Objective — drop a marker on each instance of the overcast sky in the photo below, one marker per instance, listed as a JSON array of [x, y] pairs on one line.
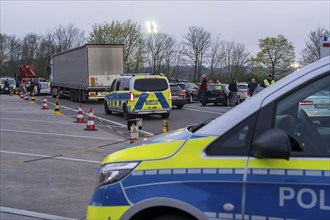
[[241, 21]]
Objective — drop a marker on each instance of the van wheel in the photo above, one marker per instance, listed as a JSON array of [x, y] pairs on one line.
[[173, 217], [165, 115], [125, 112], [106, 109]]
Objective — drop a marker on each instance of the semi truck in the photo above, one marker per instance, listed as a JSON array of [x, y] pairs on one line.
[[84, 73]]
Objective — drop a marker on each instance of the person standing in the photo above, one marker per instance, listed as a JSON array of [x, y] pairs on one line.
[[267, 82], [233, 92], [252, 86], [203, 89]]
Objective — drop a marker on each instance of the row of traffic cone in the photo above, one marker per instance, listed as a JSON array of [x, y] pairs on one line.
[[80, 116]]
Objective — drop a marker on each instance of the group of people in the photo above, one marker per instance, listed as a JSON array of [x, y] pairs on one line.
[[252, 85]]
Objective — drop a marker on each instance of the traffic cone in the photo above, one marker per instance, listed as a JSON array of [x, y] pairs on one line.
[[33, 100], [44, 104], [22, 95], [90, 123], [80, 115], [26, 97], [165, 126], [57, 108]]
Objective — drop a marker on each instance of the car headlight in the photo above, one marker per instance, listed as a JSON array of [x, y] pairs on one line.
[[114, 172]]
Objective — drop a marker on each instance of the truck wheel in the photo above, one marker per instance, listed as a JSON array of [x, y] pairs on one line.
[[75, 95], [106, 109], [165, 115], [71, 95], [83, 96], [79, 96]]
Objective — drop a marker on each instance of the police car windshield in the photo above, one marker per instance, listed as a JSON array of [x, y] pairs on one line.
[[150, 84]]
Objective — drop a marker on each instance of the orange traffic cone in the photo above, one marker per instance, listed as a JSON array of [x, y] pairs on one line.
[[90, 123], [80, 115], [26, 97], [44, 104]]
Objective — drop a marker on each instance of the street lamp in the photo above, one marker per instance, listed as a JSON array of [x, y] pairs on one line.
[[295, 66], [152, 29]]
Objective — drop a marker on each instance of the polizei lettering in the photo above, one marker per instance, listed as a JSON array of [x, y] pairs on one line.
[[315, 198]]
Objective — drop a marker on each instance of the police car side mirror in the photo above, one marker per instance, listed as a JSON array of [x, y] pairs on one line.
[[274, 144]]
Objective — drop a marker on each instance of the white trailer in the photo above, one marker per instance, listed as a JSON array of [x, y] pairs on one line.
[[86, 72]]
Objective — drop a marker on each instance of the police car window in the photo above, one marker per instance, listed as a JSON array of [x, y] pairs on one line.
[[150, 84], [305, 116], [236, 142], [125, 85], [113, 85], [119, 84]]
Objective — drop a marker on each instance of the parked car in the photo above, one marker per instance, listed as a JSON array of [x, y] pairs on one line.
[[44, 89], [243, 91], [11, 81], [217, 93], [317, 105], [178, 96], [191, 90]]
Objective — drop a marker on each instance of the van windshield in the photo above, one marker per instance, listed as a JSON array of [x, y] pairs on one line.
[[152, 84]]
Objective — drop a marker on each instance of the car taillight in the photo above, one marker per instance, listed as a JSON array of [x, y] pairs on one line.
[[183, 93], [131, 96], [306, 103], [245, 92], [222, 93], [170, 95]]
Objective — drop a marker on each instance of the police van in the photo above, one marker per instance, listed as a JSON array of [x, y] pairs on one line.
[[268, 158], [139, 94]]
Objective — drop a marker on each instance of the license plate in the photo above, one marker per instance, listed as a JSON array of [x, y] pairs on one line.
[[322, 105], [211, 99], [152, 102]]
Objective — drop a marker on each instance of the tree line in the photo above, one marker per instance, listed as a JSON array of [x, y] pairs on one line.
[[198, 52]]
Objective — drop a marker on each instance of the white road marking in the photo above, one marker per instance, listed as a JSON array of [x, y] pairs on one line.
[[62, 135], [103, 119], [44, 156], [32, 214], [205, 111]]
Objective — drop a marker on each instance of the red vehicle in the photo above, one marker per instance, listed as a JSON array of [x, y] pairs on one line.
[[26, 71]]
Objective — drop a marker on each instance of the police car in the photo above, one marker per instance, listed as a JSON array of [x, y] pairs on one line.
[[264, 159], [139, 94]]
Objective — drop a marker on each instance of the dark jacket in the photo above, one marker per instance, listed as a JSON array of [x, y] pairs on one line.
[[252, 86], [203, 86], [233, 86]]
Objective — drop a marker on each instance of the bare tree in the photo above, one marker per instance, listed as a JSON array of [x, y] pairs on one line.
[[311, 52], [159, 49], [67, 37], [10, 54], [232, 58], [170, 49], [214, 59], [30, 44], [197, 43], [128, 33]]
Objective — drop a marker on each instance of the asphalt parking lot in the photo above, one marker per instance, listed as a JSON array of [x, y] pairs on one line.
[[49, 164]]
